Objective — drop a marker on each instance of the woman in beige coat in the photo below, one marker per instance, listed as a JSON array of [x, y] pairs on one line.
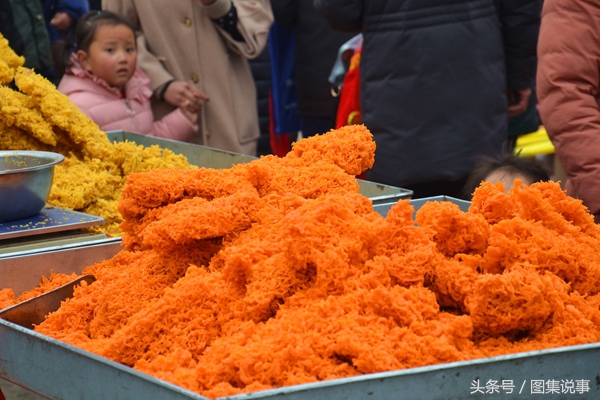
[[198, 50]]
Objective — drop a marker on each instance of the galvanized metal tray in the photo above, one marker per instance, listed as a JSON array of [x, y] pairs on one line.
[[22, 270], [55, 369], [384, 206]]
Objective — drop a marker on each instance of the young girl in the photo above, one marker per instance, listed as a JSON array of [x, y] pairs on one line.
[[101, 78]]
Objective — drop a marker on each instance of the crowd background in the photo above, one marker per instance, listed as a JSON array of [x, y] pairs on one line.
[[440, 84]]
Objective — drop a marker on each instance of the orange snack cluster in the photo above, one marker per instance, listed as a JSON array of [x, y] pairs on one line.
[[279, 272], [7, 295], [7, 298]]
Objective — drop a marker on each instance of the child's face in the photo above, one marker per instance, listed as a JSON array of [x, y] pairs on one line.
[[112, 56], [507, 178]]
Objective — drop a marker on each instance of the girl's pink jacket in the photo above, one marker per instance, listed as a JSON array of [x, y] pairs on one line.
[[132, 113]]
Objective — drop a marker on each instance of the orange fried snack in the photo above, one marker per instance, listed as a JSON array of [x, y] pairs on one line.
[[52, 282], [349, 147], [452, 230], [55, 280], [509, 303], [7, 298], [251, 278]]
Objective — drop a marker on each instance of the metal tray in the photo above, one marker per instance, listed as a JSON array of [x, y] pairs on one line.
[[22, 270], [383, 207], [208, 157], [55, 369]]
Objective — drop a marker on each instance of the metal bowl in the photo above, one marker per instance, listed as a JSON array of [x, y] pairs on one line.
[[25, 182]]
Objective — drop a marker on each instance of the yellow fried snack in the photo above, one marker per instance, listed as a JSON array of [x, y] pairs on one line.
[[93, 194], [93, 178], [8, 55], [6, 73], [14, 109], [9, 61], [14, 138], [131, 157], [60, 111]]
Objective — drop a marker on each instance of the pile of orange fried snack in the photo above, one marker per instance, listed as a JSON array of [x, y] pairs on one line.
[[279, 272]]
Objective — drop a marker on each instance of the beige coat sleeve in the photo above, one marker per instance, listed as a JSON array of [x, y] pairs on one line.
[[254, 21]]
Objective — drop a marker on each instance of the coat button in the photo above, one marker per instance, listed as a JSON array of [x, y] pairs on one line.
[[187, 22], [195, 78]]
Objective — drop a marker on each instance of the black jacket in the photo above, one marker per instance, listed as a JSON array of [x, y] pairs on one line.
[[434, 75], [261, 72], [317, 44], [22, 24]]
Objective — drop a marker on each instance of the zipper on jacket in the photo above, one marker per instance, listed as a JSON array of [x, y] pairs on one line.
[[131, 113]]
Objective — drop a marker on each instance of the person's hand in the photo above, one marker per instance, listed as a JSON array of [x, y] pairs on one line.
[[183, 94], [62, 21], [517, 101], [191, 114]]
